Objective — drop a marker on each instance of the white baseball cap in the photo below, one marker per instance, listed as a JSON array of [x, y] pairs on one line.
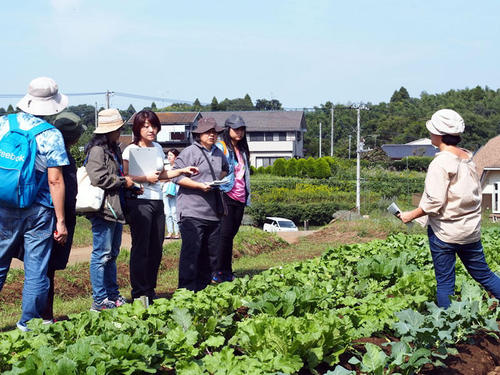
[[446, 121]]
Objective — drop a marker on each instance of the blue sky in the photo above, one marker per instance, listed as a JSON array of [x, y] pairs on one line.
[[303, 53]]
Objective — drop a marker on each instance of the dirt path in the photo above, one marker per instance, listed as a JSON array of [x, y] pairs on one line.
[[82, 254]]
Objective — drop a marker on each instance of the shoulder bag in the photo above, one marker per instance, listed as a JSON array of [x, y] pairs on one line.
[[221, 207], [89, 197]]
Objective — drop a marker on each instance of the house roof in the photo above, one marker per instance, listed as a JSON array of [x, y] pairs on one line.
[[421, 141], [172, 118], [488, 155], [264, 120], [395, 151]]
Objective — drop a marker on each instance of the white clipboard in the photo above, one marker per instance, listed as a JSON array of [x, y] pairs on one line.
[[144, 161]]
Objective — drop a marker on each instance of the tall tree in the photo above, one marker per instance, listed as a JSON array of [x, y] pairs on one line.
[[214, 106]]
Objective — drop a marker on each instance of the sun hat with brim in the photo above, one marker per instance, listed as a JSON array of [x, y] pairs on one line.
[[69, 125], [235, 122], [205, 124], [446, 121], [43, 98], [108, 120]]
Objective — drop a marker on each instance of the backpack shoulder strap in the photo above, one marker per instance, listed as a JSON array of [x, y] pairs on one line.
[[13, 123], [37, 129]]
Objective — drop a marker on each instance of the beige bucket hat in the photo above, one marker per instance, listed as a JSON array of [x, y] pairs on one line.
[[43, 98], [108, 120]]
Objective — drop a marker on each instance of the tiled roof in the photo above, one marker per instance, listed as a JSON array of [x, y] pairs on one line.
[[264, 120], [395, 151], [172, 118], [488, 156]]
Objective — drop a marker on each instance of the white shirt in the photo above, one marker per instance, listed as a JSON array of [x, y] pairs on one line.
[[151, 191]]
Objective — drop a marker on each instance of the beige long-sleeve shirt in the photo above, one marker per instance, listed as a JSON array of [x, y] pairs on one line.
[[452, 199]]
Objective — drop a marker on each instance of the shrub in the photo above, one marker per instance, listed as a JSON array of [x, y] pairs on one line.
[[321, 169], [279, 167], [414, 163], [310, 166], [291, 168]]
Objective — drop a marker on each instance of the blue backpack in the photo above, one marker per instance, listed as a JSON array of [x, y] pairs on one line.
[[18, 180]]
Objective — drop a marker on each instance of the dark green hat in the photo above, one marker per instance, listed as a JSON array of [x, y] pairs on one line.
[[69, 125]]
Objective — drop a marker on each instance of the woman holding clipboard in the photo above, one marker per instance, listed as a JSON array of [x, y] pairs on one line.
[[145, 212]]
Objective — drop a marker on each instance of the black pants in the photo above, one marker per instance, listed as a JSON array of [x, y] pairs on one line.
[[147, 227], [198, 252], [230, 225]]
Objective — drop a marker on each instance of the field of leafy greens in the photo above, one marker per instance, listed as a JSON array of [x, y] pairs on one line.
[[302, 316]]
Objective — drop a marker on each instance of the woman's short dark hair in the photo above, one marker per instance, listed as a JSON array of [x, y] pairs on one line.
[[173, 151], [451, 140], [140, 119]]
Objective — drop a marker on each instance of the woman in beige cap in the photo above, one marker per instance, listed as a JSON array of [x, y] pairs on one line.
[[452, 203], [104, 166]]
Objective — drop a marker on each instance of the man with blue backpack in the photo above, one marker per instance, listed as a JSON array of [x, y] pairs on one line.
[[32, 154]]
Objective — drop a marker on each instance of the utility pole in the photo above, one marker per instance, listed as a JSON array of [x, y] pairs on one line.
[[108, 94], [331, 137], [320, 139], [358, 161], [95, 114], [349, 146]]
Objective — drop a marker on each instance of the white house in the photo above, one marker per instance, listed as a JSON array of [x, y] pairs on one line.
[[271, 134], [487, 161]]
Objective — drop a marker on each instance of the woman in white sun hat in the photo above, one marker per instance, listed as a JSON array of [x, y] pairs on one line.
[[452, 203]]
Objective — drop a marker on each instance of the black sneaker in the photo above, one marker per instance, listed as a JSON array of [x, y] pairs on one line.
[[103, 305]]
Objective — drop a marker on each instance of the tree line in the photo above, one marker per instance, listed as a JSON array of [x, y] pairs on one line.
[[400, 120]]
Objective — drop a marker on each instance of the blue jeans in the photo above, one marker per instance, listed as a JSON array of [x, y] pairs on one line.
[[471, 255], [31, 228], [107, 239], [170, 204]]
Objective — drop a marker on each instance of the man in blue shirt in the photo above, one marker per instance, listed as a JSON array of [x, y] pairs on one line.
[[33, 227]]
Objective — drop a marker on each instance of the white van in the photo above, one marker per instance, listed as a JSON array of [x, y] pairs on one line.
[[279, 224]]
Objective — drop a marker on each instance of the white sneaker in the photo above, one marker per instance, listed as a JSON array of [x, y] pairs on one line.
[[48, 321], [22, 328]]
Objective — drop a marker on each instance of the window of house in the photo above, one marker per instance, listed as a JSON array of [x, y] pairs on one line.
[[282, 136], [256, 136], [496, 198], [269, 136], [266, 161], [178, 136]]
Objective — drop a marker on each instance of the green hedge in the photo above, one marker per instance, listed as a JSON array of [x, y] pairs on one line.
[[315, 213], [414, 163], [387, 184]]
